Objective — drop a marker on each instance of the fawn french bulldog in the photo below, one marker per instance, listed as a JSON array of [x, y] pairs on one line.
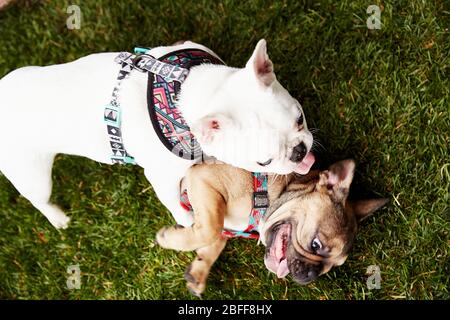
[[308, 228], [61, 109]]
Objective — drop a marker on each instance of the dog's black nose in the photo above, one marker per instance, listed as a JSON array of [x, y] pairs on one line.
[[298, 153]]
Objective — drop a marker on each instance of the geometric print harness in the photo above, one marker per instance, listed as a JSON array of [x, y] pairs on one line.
[[260, 205], [165, 76], [166, 118]]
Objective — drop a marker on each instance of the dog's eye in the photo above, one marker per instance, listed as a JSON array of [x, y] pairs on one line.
[[300, 119], [263, 164], [316, 245]]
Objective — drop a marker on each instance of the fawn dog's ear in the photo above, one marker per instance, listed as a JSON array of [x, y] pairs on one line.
[[365, 208], [337, 179]]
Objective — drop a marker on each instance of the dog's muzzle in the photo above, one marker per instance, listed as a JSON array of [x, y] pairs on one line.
[[298, 153], [304, 272]]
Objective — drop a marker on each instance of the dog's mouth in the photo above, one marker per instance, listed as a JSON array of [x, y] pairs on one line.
[[275, 258], [305, 165]]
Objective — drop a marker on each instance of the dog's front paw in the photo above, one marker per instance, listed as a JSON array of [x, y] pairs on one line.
[[195, 277], [178, 238], [167, 238], [161, 238]]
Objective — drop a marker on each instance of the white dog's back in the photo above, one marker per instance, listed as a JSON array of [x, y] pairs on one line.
[[58, 109]]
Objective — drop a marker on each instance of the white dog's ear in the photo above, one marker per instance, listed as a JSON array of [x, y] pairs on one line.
[[260, 65], [207, 128], [338, 178]]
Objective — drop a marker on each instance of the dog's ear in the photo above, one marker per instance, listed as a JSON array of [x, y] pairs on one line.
[[260, 65], [207, 128], [365, 208], [337, 179]]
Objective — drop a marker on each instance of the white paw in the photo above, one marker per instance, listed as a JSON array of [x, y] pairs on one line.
[[60, 222]]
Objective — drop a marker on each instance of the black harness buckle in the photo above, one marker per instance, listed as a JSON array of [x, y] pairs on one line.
[[260, 199]]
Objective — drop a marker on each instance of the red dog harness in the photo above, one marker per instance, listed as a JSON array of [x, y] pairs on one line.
[[260, 205]]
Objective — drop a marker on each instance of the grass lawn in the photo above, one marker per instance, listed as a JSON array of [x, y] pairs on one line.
[[379, 96]]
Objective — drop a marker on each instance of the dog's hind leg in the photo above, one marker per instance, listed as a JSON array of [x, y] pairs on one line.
[[197, 272], [31, 175]]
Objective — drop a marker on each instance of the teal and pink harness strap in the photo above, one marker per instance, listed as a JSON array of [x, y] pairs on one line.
[[260, 205], [165, 76]]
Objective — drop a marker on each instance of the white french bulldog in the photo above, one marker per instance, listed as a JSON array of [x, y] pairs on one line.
[[60, 108]]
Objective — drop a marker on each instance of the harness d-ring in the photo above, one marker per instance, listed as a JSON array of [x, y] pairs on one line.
[[137, 59]]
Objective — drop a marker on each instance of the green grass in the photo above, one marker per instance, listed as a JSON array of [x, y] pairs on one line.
[[379, 96]]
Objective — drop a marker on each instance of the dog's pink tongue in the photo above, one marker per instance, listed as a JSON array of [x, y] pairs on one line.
[[306, 164], [282, 270]]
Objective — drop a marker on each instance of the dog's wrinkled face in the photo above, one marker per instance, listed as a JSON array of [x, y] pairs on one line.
[[312, 229], [257, 125]]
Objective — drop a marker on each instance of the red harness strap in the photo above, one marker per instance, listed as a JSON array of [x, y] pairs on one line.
[[260, 205]]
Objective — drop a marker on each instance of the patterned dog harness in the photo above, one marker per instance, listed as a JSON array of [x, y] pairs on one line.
[[165, 76], [260, 205]]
